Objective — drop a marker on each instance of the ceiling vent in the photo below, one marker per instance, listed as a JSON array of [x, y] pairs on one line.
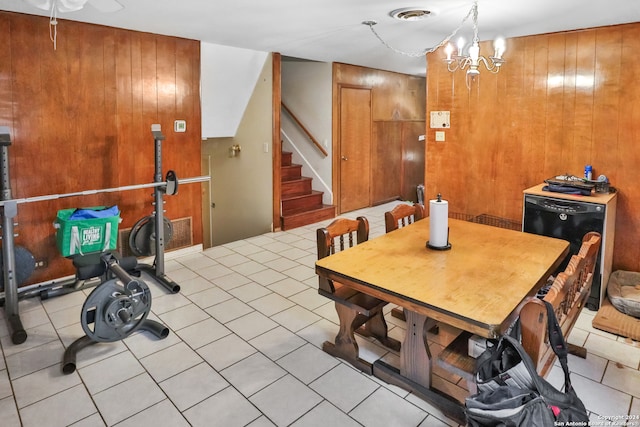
[[410, 14]]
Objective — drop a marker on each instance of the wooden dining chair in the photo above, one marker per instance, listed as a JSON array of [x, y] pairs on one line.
[[357, 311], [568, 295], [398, 217]]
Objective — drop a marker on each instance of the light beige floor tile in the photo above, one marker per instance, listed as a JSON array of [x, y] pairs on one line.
[[160, 414], [227, 408], [209, 297], [622, 378], [10, 417], [344, 387], [300, 272], [281, 264], [61, 409], [613, 350], [194, 385], [263, 256], [294, 253], [384, 408], [271, 304], [66, 316], [36, 337], [183, 316], [436, 415], [277, 342], [266, 277], [71, 300], [261, 422], [214, 271], [193, 262], [296, 318], [139, 392], [143, 344], [226, 351], [309, 298], [253, 374], [599, 398], [308, 363], [119, 367], [42, 384], [94, 420], [229, 310], [231, 281], [251, 325], [248, 249], [232, 260], [319, 332], [35, 359], [5, 384], [168, 302], [592, 367], [217, 252], [286, 400], [323, 415], [249, 268], [170, 361], [249, 292], [203, 333], [98, 351], [288, 287], [195, 285]]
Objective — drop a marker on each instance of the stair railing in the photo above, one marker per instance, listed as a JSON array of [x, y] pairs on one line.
[[316, 176], [305, 130]]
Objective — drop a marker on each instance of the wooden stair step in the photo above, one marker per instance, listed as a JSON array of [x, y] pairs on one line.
[[297, 203], [295, 187], [285, 158], [307, 217], [290, 172]]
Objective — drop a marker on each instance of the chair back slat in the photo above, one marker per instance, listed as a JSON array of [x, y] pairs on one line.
[[403, 215]]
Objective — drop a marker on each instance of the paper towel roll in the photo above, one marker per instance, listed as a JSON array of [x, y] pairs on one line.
[[438, 223]]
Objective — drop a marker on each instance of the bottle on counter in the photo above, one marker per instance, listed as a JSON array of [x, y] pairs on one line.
[[588, 172]]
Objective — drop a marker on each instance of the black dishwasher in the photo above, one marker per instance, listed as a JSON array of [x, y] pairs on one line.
[[568, 220]]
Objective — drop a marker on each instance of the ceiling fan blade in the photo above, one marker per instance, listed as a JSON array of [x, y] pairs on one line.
[[106, 6], [69, 5]]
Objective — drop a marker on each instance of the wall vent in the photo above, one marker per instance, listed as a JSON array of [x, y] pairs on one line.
[[182, 236]]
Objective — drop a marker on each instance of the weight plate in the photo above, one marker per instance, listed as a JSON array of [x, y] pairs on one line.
[[25, 264], [142, 239], [113, 312]]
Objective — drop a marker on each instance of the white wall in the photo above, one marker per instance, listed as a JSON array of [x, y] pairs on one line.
[[306, 90], [228, 76]]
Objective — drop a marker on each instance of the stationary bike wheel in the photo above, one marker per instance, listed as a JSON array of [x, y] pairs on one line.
[[142, 239]]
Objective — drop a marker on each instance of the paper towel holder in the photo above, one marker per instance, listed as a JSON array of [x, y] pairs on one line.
[[445, 247]]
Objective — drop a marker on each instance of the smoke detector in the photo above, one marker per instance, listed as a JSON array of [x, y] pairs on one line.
[[410, 14]]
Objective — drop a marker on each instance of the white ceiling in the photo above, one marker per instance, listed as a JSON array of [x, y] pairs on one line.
[[332, 30]]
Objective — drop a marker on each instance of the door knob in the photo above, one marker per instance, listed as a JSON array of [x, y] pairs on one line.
[[344, 158]]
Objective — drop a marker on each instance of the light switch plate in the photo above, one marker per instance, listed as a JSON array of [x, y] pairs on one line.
[[440, 136], [180, 126], [440, 119]]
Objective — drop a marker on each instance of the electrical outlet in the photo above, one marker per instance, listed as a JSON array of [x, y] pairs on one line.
[[41, 263]]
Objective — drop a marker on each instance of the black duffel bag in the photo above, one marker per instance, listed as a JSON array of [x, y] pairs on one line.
[[532, 403]]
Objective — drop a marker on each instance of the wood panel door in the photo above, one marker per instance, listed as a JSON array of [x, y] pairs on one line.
[[355, 148]]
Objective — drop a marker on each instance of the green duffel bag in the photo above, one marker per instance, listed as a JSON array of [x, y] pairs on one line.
[[87, 230]]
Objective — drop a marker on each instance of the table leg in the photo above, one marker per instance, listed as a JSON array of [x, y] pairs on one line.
[[345, 346], [415, 357]]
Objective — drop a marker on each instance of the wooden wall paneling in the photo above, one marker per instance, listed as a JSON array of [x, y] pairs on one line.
[[80, 119], [566, 99], [386, 161], [413, 151], [553, 162], [607, 100], [626, 250]]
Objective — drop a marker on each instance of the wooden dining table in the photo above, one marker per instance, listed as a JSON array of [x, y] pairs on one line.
[[478, 285]]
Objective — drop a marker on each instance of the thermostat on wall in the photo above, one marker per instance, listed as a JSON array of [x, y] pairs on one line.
[[440, 119], [180, 126]]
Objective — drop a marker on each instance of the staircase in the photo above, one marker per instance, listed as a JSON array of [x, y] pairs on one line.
[[300, 205]]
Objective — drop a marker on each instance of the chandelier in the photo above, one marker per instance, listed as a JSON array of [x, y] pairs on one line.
[[456, 58]]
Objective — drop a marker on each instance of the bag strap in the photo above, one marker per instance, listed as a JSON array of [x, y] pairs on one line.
[[558, 343]]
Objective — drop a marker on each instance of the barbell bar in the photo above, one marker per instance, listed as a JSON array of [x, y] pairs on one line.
[[102, 190]]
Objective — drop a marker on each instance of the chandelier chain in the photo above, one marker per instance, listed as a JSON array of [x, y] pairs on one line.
[[473, 11]]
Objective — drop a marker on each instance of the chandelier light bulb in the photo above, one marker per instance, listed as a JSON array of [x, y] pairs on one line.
[[449, 51], [460, 45], [499, 46]]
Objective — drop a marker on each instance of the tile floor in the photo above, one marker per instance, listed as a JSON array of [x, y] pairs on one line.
[[245, 350]]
